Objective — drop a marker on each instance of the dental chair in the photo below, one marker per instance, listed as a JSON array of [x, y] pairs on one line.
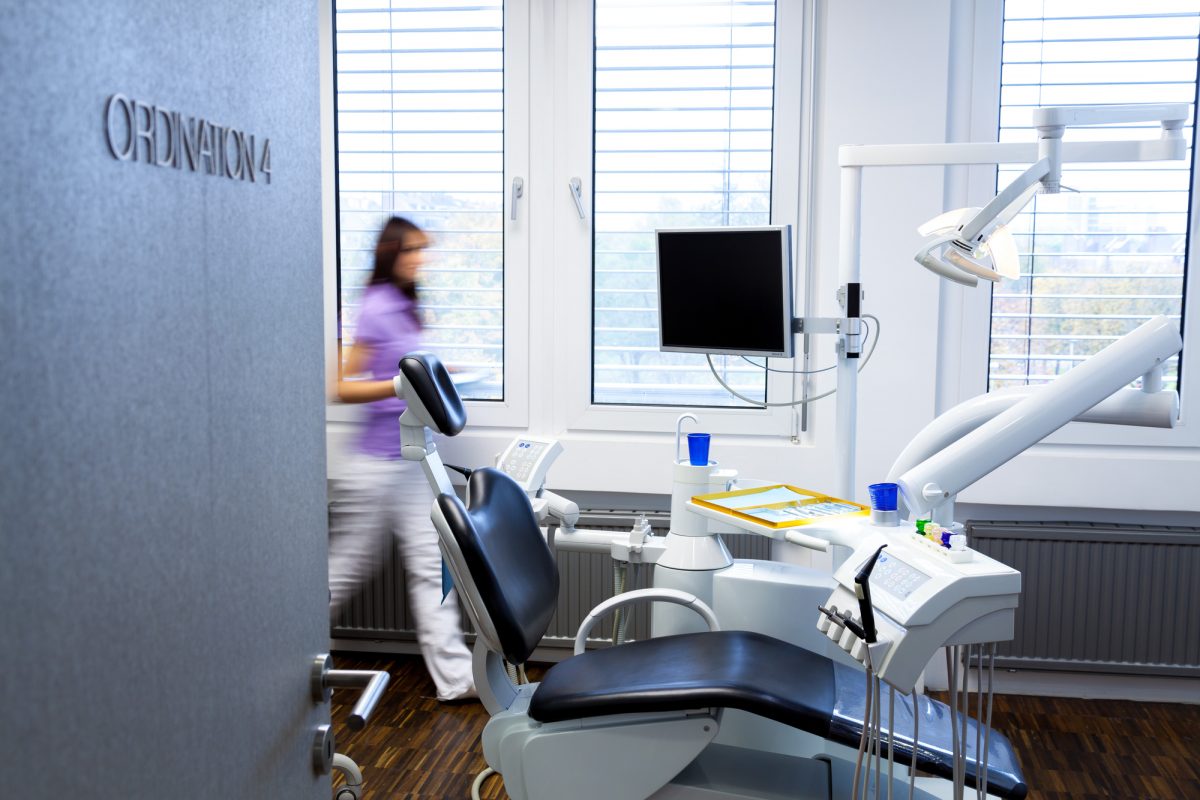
[[638, 720]]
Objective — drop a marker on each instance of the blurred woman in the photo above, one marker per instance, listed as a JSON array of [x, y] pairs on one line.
[[380, 498]]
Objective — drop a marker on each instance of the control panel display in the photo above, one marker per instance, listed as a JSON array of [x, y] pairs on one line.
[[896, 577]]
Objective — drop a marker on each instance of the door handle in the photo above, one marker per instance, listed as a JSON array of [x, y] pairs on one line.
[[518, 191], [325, 679], [577, 194]]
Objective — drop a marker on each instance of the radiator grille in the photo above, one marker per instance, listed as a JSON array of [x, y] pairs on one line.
[[1101, 598], [380, 611]]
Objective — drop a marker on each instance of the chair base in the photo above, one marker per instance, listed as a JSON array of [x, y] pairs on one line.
[[602, 758], [735, 773]]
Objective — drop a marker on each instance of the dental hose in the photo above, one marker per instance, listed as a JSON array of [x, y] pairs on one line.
[[987, 729], [862, 739], [912, 768], [891, 738], [620, 618], [952, 675], [478, 783], [879, 734], [980, 776]]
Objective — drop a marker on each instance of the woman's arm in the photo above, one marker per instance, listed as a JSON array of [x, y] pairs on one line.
[[361, 391]]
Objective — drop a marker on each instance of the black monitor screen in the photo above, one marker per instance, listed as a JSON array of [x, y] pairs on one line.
[[725, 290]]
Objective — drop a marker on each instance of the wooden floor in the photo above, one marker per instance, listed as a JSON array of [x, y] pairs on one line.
[[415, 747]]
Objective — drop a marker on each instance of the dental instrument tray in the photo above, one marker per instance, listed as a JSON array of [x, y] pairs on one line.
[[779, 506]]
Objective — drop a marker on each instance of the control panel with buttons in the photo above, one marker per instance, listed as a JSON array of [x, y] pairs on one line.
[[527, 459]]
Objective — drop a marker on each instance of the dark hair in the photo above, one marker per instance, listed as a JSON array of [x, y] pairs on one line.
[[397, 235]]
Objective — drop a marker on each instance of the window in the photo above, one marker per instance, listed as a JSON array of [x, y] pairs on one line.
[[1098, 263], [683, 119], [420, 134], [674, 119]]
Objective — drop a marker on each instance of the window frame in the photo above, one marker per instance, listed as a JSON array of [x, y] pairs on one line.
[[1099, 456], [574, 240], [513, 409]]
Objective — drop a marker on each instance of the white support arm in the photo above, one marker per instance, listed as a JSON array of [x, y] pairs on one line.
[[586, 540], [1125, 407], [794, 536], [943, 475], [560, 508], [628, 598]]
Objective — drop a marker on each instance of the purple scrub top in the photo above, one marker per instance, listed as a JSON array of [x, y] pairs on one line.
[[389, 325]]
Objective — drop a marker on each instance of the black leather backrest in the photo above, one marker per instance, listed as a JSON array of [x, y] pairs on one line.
[[425, 375], [503, 547]]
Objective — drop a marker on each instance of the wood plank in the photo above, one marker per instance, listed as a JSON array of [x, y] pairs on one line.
[[416, 748]]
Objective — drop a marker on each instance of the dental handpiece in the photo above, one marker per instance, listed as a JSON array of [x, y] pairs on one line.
[[862, 589], [844, 619]]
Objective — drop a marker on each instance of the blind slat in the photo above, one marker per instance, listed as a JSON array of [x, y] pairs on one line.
[[672, 150], [426, 87], [1069, 58]]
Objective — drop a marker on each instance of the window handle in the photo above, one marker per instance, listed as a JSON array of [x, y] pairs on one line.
[[518, 191], [577, 194]]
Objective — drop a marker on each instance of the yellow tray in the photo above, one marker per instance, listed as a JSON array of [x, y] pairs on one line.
[[780, 506]]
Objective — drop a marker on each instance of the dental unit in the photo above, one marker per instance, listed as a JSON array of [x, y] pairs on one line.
[[758, 680]]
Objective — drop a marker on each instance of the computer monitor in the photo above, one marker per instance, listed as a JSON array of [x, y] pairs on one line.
[[725, 290]]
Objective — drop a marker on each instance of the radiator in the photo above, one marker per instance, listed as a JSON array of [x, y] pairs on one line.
[[1100, 598], [380, 612]]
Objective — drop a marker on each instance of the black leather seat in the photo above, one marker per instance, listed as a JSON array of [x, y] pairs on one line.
[[724, 669], [516, 579]]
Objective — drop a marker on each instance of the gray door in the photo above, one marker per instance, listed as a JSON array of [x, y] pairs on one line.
[[162, 513]]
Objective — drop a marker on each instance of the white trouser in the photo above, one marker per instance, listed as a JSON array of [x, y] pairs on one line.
[[373, 503]]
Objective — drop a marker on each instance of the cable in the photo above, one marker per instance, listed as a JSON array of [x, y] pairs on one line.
[[757, 404], [763, 366]]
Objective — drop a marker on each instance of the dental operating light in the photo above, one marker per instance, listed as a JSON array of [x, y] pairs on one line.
[[972, 243], [976, 241]]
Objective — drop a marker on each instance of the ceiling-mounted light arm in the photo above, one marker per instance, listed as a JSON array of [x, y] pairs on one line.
[[1005, 205], [1172, 116], [1051, 122]]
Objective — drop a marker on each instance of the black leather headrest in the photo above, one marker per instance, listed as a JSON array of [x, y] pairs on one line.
[[426, 376], [513, 569]]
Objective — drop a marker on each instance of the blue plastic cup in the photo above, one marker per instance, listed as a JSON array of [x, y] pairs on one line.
[[883, 496], [698, 449]]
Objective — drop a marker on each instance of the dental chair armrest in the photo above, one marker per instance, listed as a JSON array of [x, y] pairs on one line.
[[636, 596]]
